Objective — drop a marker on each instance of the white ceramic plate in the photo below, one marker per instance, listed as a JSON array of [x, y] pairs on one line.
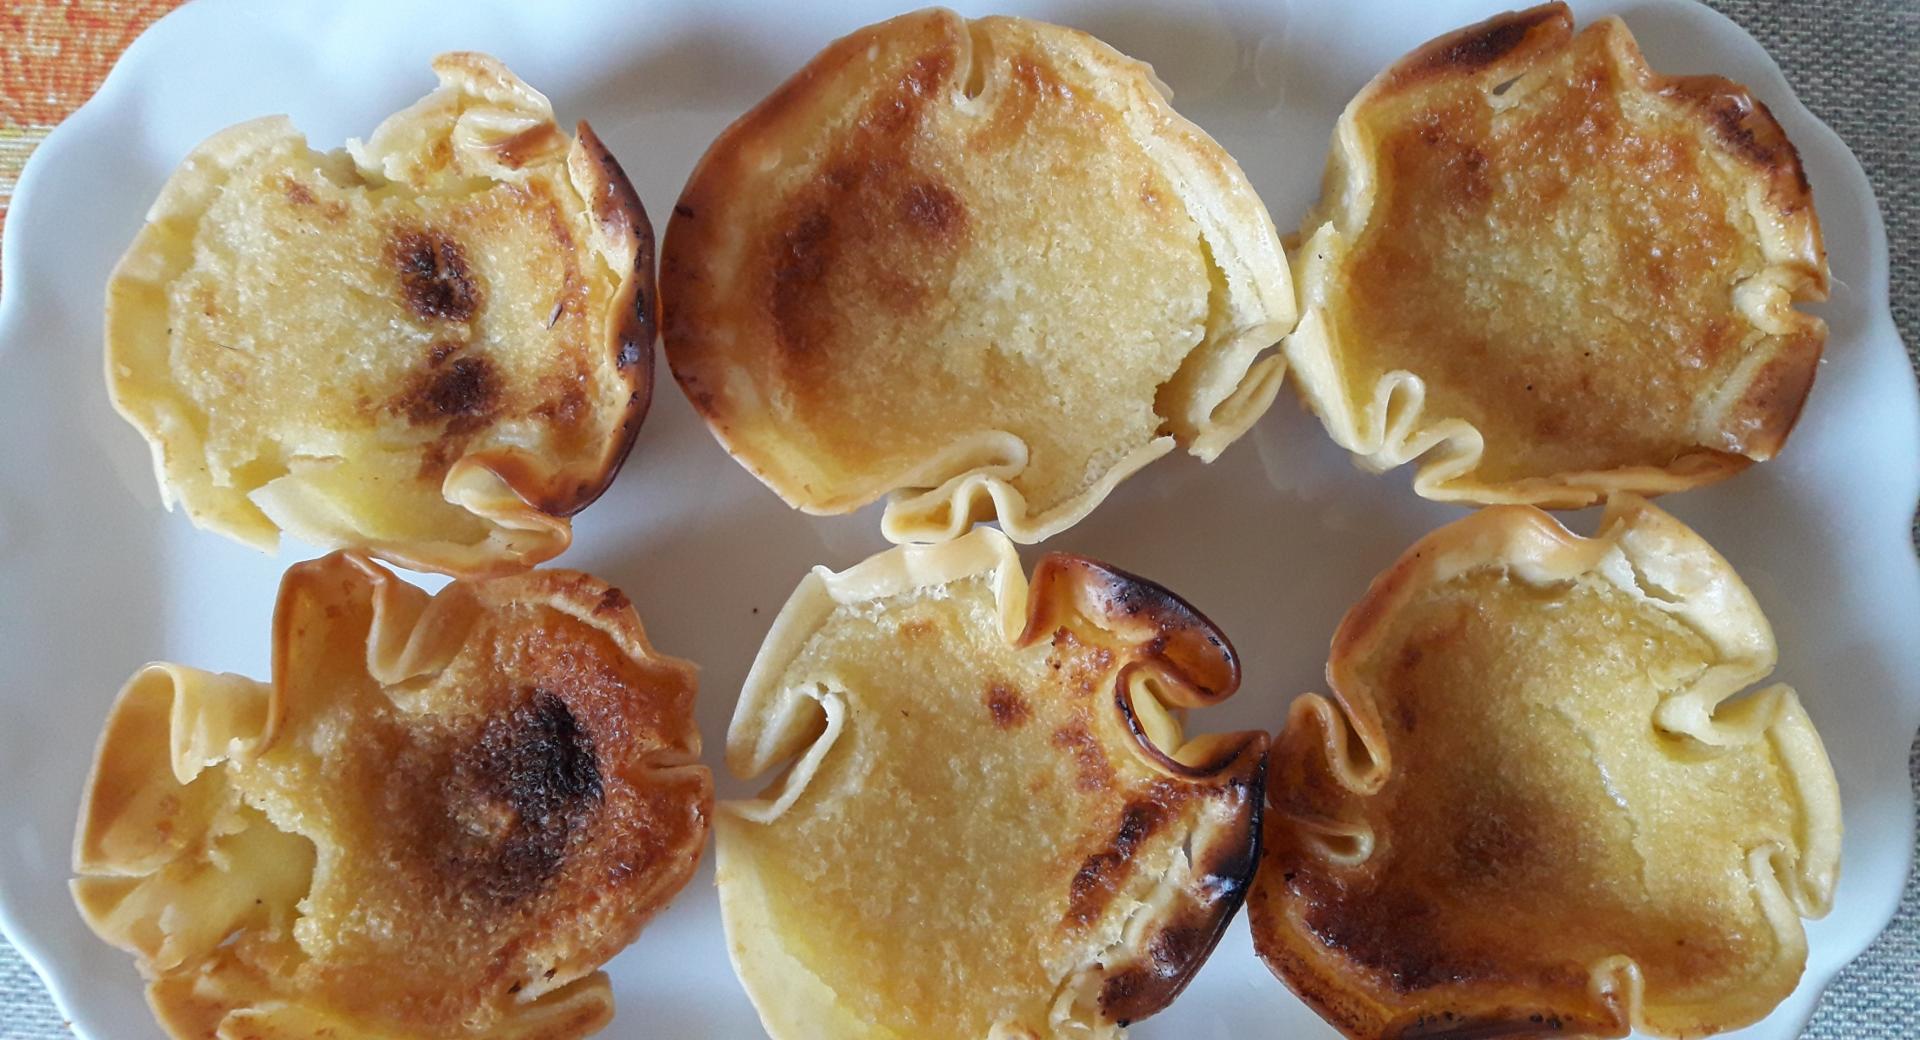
[[1273, 541]]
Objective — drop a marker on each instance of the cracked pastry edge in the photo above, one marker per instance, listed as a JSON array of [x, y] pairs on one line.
[[1392, 426]]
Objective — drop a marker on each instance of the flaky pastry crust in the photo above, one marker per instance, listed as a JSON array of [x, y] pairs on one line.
[[1551, 274], [438, 820], [434, 348], [981, 265], [988, 822], [1537, 802]]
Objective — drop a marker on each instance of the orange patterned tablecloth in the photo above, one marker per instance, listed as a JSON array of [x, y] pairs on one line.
[[53, 55]]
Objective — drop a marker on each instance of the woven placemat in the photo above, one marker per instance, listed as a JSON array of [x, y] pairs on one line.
[[1852, 63]]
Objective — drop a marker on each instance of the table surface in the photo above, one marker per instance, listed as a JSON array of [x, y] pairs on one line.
[[1851, 63]]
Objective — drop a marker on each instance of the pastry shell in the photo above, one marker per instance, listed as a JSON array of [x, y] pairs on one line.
[[981, 265], [1551, 274], [988, 821], [438, 820], [434, 348], [1537, 800]]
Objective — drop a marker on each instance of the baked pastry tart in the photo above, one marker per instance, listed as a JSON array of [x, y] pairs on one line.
[[434, 347], [1551, 274], [437, 821], [980, 264], [987, 820], [1537, 801]]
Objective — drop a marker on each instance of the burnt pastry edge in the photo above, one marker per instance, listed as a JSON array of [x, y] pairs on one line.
[[1179, 938], [1340, 738], [1173, 657], [940, 496], [632, 325], [1751, 414], [173, 730]]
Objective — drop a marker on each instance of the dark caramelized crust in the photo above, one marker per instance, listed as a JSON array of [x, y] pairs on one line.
[[1529, 808], [1590, 269], [1511, 37], [1146, 976], [1165, 637], [1031, 758], [1164, 629], [526, 810], [494, 789], [631, 328]]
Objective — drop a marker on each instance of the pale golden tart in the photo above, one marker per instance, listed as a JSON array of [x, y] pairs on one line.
[[437, 821], [988, 822], [1542, 799], [981, 264], [435, 346], [1551, 274]]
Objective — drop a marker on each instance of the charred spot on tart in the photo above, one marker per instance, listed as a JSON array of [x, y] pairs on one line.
[[518, 796], [435, 280], [899, 108], [1171, 956], [613, 601], [933, 209], [1092, 771], [1149, 620], [1103, 872], [803, 253], [463, 393], [1470, 1025], [1004, 703], [1226, 868], [866, 202], [535, 142], [1478, 46], [869, 208], [1222, 855], [1745, 126], [631, 353], [1389, 933]]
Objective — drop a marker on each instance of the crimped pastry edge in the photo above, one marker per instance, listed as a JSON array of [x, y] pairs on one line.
[[1393, 427], [1660, 562]]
